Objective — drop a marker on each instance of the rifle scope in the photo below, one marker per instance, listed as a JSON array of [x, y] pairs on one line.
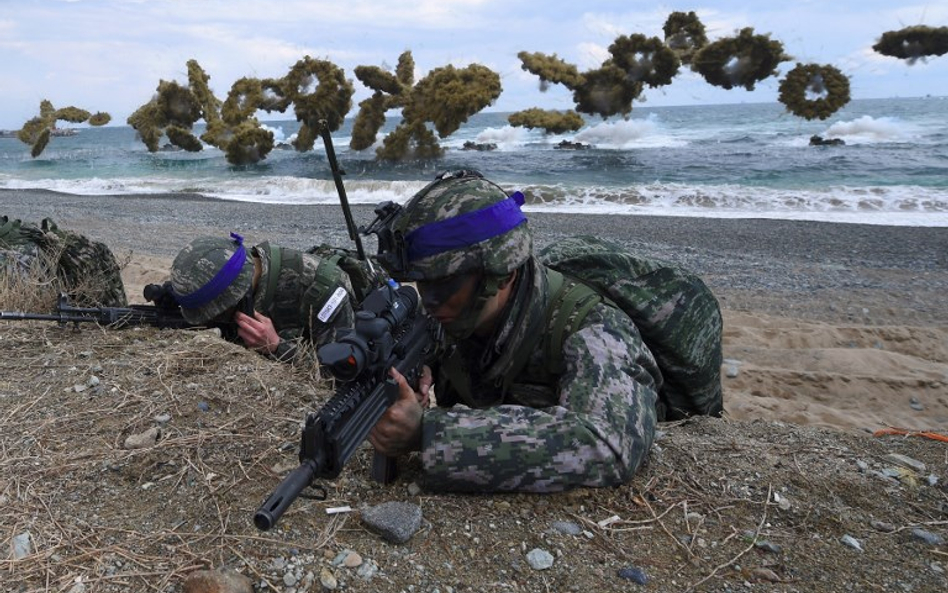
[[370, 342]]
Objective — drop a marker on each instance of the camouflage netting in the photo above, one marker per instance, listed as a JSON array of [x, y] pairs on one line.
[[445, 98], [552, 122], [38, 130], [827, 83], [740, 61], [913, 43]]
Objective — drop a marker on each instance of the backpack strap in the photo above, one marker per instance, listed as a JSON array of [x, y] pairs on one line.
[[326, 274], [276, 262], [572, 303], [363, 276], [328, 291]]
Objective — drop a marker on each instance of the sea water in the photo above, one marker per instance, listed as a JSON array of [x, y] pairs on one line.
[[738, 160]]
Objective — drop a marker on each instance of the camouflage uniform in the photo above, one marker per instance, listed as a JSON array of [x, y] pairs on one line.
[[528, 430], [86, 270], [308, 297], [298, 297], [19, 245], [509, 422]]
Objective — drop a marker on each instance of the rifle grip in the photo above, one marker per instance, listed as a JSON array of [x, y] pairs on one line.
[[384, 469]]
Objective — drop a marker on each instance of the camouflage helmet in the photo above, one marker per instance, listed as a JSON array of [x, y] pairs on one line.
[[458, 223], [211, 275]]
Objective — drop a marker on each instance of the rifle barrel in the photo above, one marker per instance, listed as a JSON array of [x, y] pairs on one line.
[[20, 316], [115, 317], [273, 507]]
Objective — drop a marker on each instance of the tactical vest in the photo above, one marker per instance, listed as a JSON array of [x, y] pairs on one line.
[[295, 313], [525, 384]]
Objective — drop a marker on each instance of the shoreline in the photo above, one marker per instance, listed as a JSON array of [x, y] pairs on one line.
[[298, 224]]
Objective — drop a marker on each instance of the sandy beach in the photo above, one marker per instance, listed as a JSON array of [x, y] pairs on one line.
[[832, 325]]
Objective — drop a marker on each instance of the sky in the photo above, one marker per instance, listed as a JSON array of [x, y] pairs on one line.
[[109, 55]]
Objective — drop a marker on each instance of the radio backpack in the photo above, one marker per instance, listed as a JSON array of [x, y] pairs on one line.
[[675, 312], [364, 276]]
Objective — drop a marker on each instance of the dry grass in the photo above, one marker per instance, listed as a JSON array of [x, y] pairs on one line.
[[31, 286], [69, 481], [141, 519]]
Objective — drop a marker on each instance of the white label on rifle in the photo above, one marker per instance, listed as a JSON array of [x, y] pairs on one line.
[[337, 298]]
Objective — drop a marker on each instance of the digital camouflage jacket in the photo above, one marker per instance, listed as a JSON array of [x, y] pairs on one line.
[[307, 296], [506, 423]]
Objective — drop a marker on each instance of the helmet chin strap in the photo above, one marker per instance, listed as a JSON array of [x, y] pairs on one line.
[[466, 322]]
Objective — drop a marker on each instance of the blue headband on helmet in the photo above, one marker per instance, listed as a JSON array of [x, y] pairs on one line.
[[466, 229], [219, 283]]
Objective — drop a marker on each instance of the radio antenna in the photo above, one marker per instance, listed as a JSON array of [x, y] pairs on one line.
[[337, 174]]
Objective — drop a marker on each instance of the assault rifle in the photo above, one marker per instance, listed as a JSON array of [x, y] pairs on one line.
[[391, 330], [163, 313]]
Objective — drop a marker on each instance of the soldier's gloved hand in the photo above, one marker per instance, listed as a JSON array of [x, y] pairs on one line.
[[257, 332], [398, 431]]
